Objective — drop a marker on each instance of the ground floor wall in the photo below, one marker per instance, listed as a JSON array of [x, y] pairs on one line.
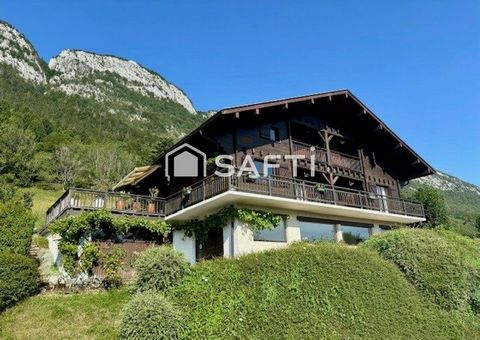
[[239, 239]]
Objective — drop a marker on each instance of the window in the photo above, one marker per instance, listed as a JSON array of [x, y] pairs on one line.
[[272, 133], [353, 234], [316, 231], [275, 235]]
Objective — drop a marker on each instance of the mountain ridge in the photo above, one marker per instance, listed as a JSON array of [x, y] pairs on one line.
[[85, 73]]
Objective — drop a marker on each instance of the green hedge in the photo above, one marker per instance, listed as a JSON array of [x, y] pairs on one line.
[[16, 227], [310, 291], [150, 316], [429, 262], [159, 269], [18, 278]]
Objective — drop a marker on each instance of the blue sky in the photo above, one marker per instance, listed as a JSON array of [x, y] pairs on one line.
[[416, 64]]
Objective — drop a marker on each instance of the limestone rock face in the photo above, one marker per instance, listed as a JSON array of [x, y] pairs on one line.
[[16, 51], [93, 75], [100, 77]]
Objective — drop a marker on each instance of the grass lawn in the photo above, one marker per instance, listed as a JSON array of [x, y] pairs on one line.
[[65, 316], [42, 200]]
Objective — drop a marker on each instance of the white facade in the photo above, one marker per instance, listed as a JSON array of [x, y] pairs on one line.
[[238, 238]]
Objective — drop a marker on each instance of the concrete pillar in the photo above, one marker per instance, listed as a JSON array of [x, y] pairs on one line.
[[338, 233], [374, 230], [185, 245], [292, 230], [228, 250]]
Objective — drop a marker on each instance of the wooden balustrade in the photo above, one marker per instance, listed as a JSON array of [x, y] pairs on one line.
[[336, 158], [81, 199]]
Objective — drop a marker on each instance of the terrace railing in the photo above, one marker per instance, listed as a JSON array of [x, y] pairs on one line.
[[81, 199]]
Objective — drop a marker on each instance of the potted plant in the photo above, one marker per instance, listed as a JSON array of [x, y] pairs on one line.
[[252, 177], [120, 202], [320, 188], [151, 208], [186, 191]]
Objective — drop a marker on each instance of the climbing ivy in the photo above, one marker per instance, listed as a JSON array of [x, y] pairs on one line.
[[256, 220], [75, 231]]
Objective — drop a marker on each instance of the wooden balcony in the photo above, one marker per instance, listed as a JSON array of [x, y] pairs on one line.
[[136, 205], [119, 203], [337, 159]]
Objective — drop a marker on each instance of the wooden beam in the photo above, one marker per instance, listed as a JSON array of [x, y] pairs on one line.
[[286, 106], [257, 111], [237, 115], [330, 98], [335, 179], [399, 146], [379, 128], [312, 101], [362, 113], [417, 161]]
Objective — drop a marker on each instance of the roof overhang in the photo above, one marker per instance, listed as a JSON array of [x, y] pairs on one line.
[[277, 204], [381, 129], [136, 175]]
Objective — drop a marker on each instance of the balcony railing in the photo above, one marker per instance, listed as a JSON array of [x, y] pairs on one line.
[[81, 199], [127, 204], [336, 158]]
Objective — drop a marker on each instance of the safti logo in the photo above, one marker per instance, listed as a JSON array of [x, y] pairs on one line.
[[185, 161], [188, 161]]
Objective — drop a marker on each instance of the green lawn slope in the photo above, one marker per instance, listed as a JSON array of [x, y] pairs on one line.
[[72, 316]]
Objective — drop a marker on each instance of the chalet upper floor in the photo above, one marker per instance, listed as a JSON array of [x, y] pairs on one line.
[[327, 148]]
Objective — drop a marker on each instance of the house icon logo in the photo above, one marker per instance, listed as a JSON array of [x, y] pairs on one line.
[[185, 161]]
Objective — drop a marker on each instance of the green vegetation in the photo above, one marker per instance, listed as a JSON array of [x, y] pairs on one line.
[[49, 137], [313, 291], [433, 265], [434, 205], [16, 227], [74, 229], [93, 315], [158, 269], [18, 278], [151, 316], [111, 265]]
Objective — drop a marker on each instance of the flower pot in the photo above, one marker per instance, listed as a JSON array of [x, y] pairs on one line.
[[120, 204], [151, 208], [137, 206]]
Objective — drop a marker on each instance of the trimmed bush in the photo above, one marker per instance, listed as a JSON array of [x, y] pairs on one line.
[[16, 227], [159, 269], [310, 291], [150, 316], [433, 265], [18, 278]]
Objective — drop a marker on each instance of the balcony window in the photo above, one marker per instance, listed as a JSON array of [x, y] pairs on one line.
[[316, 231], [275, 235]]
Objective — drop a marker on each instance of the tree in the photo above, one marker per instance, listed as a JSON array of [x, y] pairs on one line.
[[477, 223], [67, 166], [434, 204], [17, 150]]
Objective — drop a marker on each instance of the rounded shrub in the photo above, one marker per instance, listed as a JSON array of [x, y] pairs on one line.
[[19, 278], [429, 262], [150, 316], [158, 269]]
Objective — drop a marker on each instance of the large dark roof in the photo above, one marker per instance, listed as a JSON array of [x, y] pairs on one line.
[[419, 166]]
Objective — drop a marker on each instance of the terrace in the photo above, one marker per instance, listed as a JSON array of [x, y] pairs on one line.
[[292, 192]]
